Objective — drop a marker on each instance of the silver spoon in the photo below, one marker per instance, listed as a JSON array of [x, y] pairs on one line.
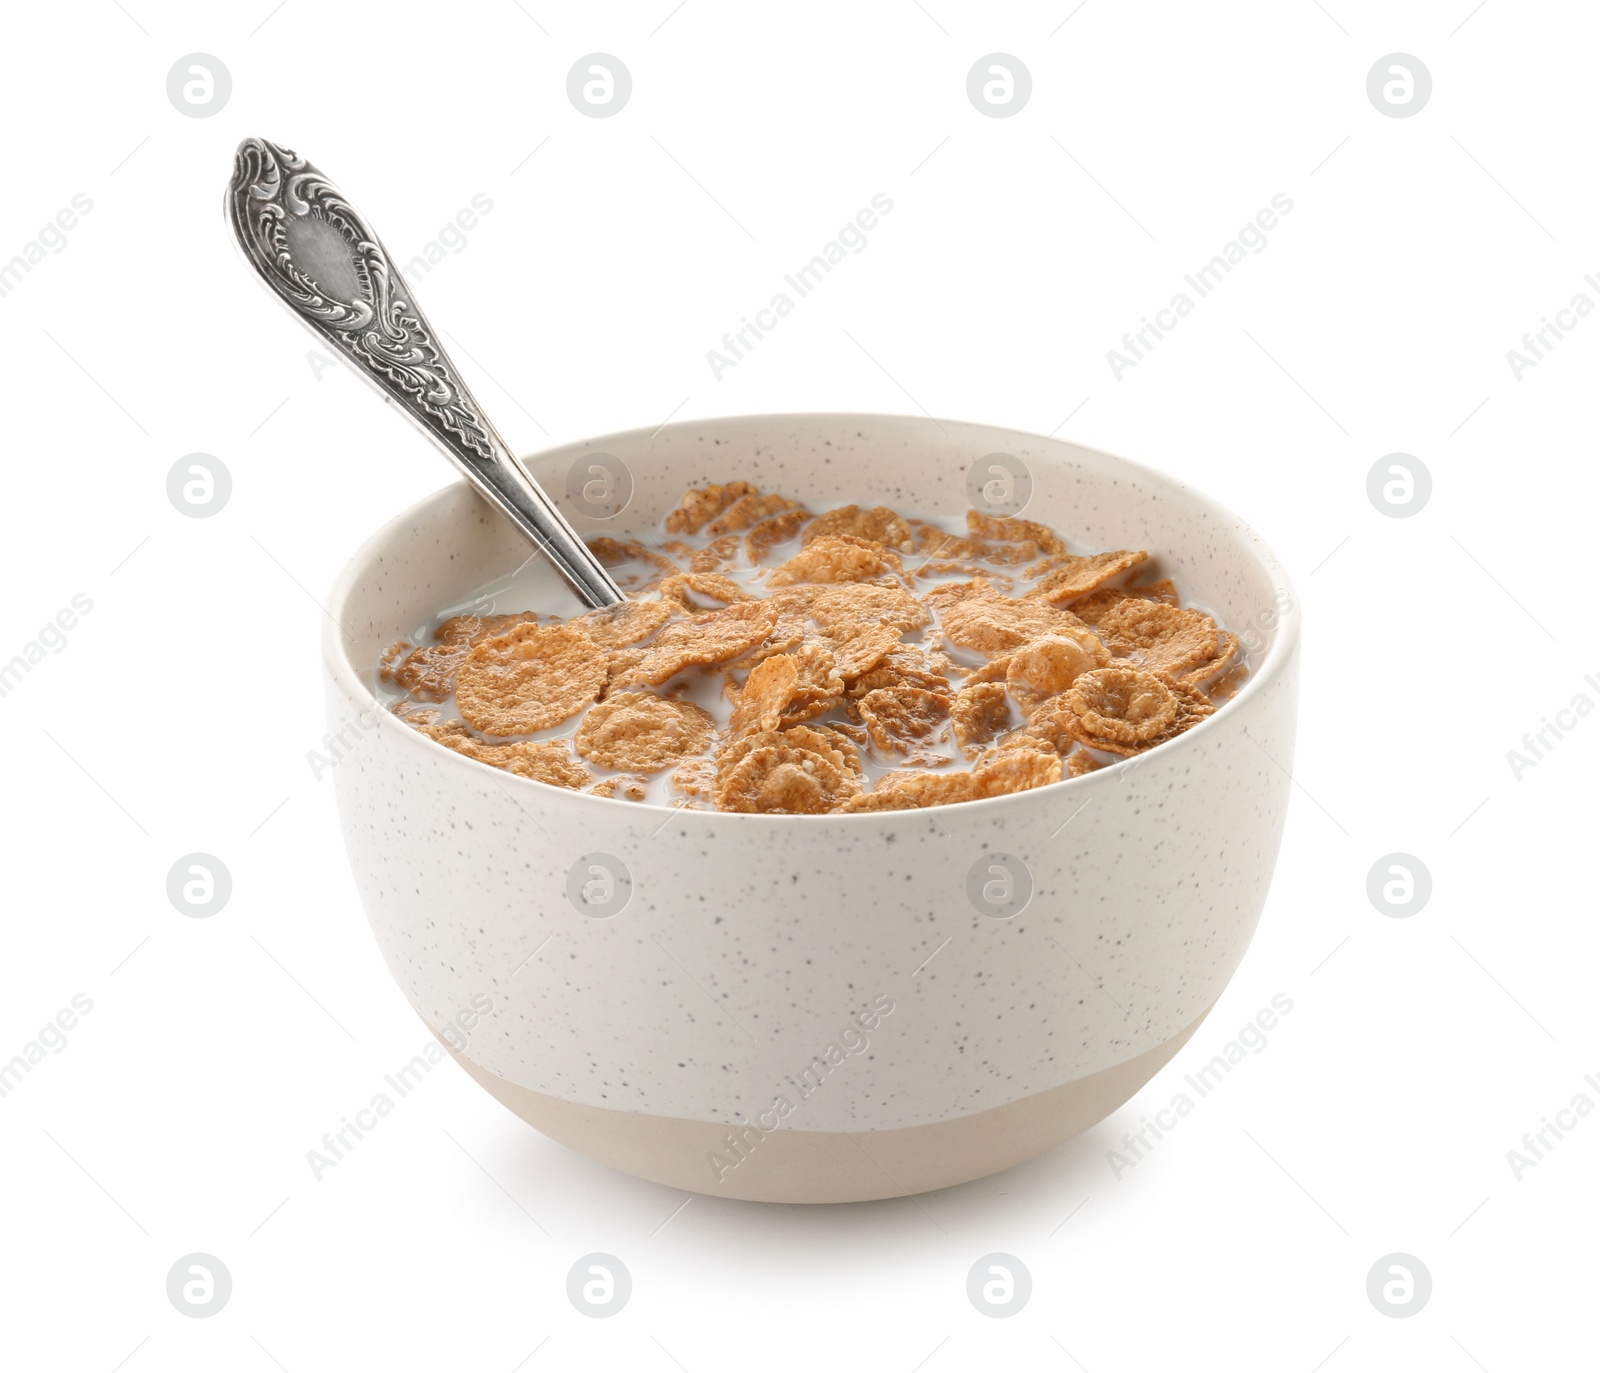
[[309, 244]]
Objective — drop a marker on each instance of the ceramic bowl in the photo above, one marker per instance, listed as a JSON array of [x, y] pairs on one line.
[[817, 1008]]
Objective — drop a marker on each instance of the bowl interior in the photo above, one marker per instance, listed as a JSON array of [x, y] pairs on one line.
[[452, 543]]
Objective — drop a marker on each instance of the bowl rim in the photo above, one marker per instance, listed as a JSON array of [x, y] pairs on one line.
[[354, 685]]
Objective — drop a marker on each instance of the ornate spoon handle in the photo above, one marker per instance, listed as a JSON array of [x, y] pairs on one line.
[[311, 246]]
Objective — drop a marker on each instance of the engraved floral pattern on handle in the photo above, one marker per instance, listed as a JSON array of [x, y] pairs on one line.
[[296, 226]]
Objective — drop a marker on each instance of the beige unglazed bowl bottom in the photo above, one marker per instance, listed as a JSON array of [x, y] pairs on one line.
[[811, 1166]]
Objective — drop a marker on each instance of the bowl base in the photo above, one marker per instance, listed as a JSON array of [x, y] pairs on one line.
[[814, 1166]]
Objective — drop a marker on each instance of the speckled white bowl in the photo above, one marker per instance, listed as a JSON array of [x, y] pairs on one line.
[[812, 1008]]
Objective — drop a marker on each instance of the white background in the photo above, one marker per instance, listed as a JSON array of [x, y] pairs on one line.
[[179, 715]]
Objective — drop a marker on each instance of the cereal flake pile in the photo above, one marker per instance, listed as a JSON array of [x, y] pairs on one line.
[[768, 660]]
